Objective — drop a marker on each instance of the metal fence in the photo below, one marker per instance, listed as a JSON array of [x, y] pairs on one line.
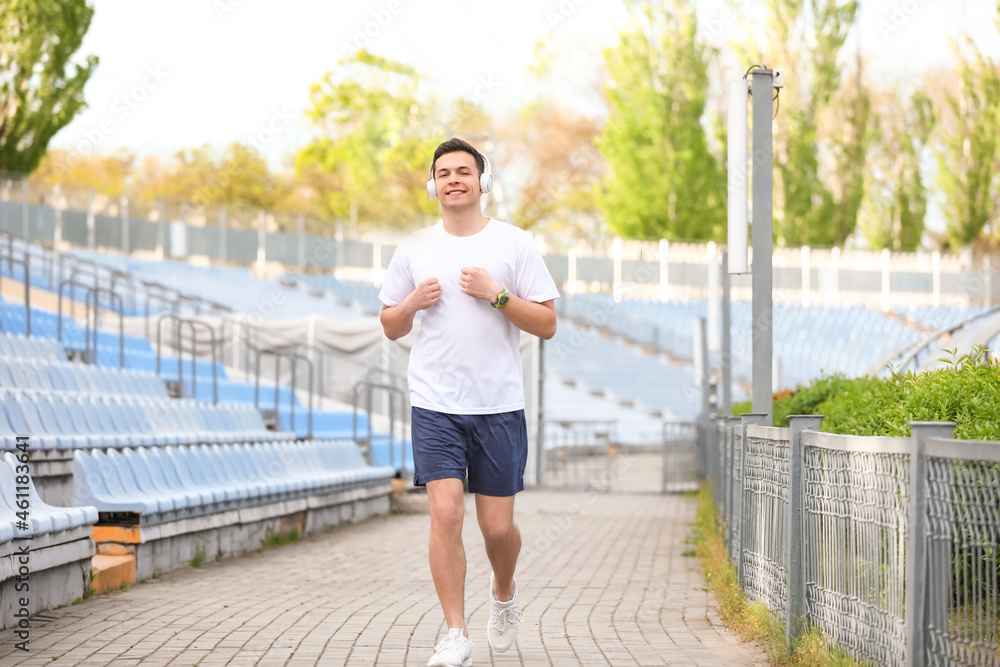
[[642, 269], [578, 454], [889, 546], [680, 464]]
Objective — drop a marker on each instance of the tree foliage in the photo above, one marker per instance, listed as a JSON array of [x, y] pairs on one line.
[[822, 127], [106, 174], [892, 213], [661, 180], [41, 88], [376, 137], [554, 145], [967, 148]]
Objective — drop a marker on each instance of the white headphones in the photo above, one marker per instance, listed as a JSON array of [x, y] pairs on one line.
[[485, 179]]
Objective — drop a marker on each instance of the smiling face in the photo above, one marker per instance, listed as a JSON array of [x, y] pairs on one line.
[[457, 180]]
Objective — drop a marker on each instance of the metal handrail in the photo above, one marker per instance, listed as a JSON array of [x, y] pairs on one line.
[[392, 391], [293, 359], [115, 297], [192, 325], [72, 282], [26, 263]]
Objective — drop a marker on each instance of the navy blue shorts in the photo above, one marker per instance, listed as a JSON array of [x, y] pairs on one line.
[[494, 449]]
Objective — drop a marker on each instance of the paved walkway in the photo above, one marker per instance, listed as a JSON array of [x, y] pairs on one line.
[[602, 582]]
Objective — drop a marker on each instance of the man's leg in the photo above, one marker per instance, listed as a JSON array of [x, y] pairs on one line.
[[503, 540], [447, 553]]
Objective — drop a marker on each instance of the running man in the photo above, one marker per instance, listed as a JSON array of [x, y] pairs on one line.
[[479, 282]]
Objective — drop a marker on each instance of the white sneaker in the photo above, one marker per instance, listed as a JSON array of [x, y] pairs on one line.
[[455, 650], [504, 619]]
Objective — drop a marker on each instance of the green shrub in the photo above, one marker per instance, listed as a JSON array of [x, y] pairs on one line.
[[966, 391]]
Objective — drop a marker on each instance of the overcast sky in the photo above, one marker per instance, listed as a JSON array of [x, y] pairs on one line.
[[190, 72]]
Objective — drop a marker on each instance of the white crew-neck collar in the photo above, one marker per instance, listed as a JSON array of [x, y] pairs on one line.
[[489, 221]]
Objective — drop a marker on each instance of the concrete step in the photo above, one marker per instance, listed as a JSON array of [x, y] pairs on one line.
[[112, 572]]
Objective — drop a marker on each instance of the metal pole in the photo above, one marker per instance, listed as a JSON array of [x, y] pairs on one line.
[[302, 242], [160, 226], [261, 243], [727, 346], [916, 548], [24, 207], [91, 240], [702, 364], [57, 234], [795, 621], [540, 425], [222, 234], [763, 234], [125, 230]]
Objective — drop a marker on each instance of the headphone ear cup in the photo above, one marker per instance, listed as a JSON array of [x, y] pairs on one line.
[[431, 189], [486, 182]]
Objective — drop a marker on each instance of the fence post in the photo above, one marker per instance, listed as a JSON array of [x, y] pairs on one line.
[[794, 560], [916, 547], [24, 207], [57, 205], [737, 479], [91, 233], [160, 226], [126, 242]]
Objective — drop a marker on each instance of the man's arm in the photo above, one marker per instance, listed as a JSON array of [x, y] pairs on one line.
[[538, 319], [397, 321]]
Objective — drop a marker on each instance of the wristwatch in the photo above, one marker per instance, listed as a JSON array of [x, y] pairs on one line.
[[502, 299]]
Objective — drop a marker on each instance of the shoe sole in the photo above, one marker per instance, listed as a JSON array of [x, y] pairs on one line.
[[465, 663]]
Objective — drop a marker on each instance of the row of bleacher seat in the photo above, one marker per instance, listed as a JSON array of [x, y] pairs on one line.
[[19, 345], [42, 374], [170, 483], [61, 420], [42, 517]]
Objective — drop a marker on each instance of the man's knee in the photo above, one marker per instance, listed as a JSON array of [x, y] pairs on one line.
[[447, 509], [497, 529]]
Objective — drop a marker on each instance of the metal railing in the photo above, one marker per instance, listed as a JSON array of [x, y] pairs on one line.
[[579, 453], [681, 464], [293, 361], [394, 386], [889, 546], [182, 324]]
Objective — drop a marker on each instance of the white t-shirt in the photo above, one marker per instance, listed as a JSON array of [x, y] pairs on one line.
[[465, 359]]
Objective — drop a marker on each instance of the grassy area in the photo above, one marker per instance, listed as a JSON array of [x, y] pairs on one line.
[[281, 539], [752, 621]]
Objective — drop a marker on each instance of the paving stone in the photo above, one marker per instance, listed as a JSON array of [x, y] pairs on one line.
[[601, 582]]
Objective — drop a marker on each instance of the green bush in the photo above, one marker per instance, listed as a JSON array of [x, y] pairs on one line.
[[966, 391]]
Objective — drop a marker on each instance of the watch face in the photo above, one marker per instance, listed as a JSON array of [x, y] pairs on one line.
[[504, 298]]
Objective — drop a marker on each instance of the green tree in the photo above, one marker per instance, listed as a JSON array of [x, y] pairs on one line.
[[376, 140], [892, 214], [661, 179], [820, 113], [105, 174], [967, 148], [240, 177], [40, 89]]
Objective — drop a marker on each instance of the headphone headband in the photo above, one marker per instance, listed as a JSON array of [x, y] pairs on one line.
[[485, 178]]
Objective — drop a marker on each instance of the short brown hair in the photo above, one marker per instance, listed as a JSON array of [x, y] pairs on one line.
[[455, 145]]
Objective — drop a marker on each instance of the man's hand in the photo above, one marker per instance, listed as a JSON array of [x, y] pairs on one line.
[[425, 295], [476, 282]]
